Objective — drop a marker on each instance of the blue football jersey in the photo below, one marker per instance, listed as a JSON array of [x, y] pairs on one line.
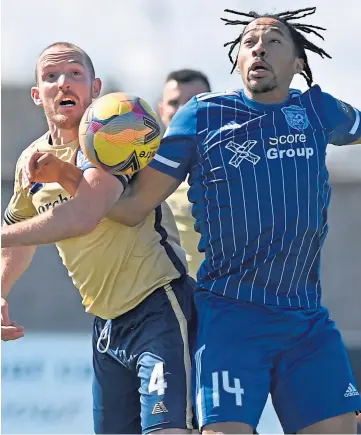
[[259, 188]]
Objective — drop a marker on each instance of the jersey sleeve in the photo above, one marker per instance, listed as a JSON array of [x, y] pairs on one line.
[[83, 163], [177, 151], [20, 206], [343, 120]]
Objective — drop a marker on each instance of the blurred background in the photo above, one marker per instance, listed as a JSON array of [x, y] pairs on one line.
[[134, 44]]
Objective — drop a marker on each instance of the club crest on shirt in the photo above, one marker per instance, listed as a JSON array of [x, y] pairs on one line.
[[296, 117]]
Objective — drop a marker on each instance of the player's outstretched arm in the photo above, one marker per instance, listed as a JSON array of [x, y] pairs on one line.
[[14, 262], [170, 166], [71, 219], [149, 189]]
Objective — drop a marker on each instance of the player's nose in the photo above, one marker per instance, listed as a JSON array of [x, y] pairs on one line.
[[259, 49], [63, 82]]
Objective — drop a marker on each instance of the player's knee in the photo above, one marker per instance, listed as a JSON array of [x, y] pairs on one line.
[[227, 427], [345, 424]]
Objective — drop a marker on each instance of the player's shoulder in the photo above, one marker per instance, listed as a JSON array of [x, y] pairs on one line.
[[311, 99], [312, 92], [330, 101], [208, 97], [41, 142], [38, 145]]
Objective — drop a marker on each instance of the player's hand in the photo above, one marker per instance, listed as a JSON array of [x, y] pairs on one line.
[[12, 332], [41, 168], [9, 329]]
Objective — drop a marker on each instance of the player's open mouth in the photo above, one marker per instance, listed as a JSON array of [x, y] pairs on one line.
[[259, 66], [67, 102], [258, 70]]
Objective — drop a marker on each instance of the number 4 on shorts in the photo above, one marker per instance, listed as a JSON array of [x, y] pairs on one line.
[[236, 390], [157, 382]]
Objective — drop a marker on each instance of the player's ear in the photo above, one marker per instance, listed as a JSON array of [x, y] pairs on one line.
[[160, 107], [35, 95], [96, 88], [299, 65]]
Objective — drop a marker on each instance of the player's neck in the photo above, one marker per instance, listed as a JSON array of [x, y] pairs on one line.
[[62, 136], [277, 96]]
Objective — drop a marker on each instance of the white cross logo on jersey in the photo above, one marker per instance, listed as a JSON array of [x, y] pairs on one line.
[[242, 152]]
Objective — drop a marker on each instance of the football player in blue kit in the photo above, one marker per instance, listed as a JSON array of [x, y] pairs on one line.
[[259, 187]]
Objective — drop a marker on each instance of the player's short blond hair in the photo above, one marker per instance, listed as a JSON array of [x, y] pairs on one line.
[[88, 61]]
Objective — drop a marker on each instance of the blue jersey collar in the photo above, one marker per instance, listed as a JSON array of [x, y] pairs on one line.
[[261, 106]]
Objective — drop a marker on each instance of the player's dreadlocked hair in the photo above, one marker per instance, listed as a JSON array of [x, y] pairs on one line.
[[301, 42]]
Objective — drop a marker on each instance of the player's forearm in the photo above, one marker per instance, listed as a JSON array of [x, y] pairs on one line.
[[124, 211], [14, 262], [149, 189], [96, 194], [127, 210], [62, 222], [70, 178]]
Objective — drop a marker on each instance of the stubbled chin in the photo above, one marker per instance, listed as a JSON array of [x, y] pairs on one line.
[[66, 122], [255, 84], [260, 88]]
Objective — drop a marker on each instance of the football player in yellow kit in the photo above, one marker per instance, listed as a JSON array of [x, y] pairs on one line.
[[134, 280]]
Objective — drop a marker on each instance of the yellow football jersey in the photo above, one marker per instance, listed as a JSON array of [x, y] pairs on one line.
[[115, 267]]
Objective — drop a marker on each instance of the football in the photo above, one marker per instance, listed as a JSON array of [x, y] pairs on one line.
[[119, 133]]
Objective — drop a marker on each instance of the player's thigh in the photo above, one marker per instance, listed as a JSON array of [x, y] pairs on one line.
[[232, 367], [314, 383], [345, 424], [164, 362], [116, 400]]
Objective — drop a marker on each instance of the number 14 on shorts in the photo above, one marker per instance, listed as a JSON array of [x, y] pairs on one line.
[[221, 380]]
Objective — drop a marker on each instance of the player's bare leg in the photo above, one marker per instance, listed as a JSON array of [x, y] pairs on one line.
[[228, 427], [345, 424]]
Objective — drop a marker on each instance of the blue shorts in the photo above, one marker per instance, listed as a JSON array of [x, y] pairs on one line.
[[245, 350], [142, 376]]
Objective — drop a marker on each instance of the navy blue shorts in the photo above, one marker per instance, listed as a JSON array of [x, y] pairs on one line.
[[142, 376], [245, 350]]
